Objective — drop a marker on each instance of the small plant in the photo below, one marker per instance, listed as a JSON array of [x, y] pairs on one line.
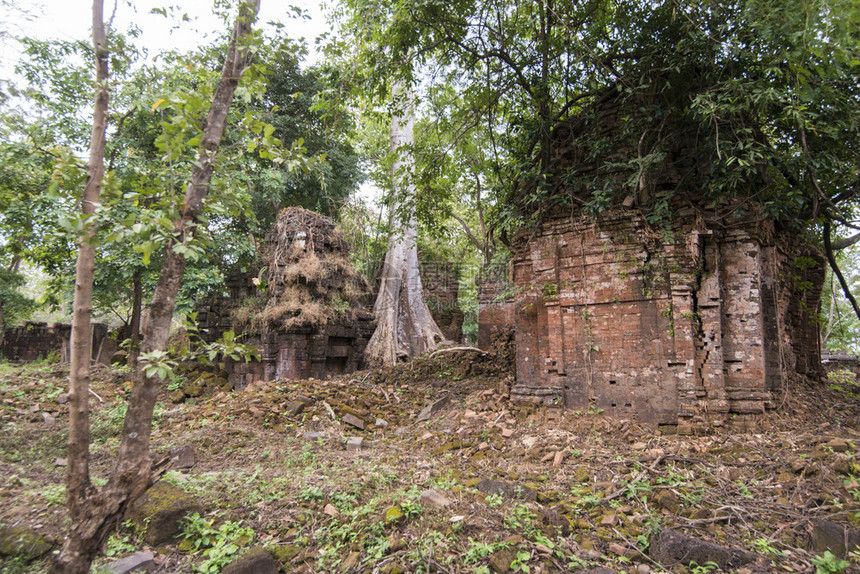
[[706, 568], [851, 485], [121, 543], [477, 551], [54, 495], [828, 563], [549, 290], [343, 501], [218, 545], [176, 381], [157, 363], [764, 546], [521, 519], [844, 381], [520, 563], [495, 500], [634, 489], [311, 494], [411, 507], [745, 491]]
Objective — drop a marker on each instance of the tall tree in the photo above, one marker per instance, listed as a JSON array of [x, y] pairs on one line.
[[76, 556], [95, 512], [384, 64], [404, 326]]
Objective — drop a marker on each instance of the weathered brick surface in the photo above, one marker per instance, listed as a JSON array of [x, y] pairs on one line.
[[495, 310], [299, 353], [441, 292], [32, 341], [684, 331]]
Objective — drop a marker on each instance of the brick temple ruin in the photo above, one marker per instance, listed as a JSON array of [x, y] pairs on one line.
[[303, 307], [696, 325]]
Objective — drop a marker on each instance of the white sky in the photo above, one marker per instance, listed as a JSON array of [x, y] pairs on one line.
[[72, 20]]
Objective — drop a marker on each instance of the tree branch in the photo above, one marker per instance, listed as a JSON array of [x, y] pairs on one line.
[[828, 251]]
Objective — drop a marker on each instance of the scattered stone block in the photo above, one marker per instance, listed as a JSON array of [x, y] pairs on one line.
[[609, 520], [529, 441], [581, 474], [381, 423], [839, 445], [330, 510], [160, 510], [61, 462], [48, 419], [667, 500], [193, 390], [511, 491], [434, 498], [433, 408], [619, 549], [558, 458], [839, 540], [448, 445], [62, 398], [297, 406], [394, 514], [552, 522], [353, 420], [670, 547], [182, 456], [507, 433], [255, 561], [26, 543], [501, 560], [350, 562], [139, 561], [354, 443], [543, 549], [283, 553], [313, 435]]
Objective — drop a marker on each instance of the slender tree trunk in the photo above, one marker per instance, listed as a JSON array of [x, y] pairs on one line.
[[76, 554], [828, 251], [831, 315], [100, 511], [404, 326], [136, 304]]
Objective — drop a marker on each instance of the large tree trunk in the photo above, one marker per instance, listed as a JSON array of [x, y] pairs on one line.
[[404, 326], [98, 512]]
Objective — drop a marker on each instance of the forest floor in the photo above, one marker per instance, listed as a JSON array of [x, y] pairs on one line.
[[514, 487]]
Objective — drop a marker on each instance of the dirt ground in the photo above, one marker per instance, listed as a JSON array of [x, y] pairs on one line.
[[481, 485]]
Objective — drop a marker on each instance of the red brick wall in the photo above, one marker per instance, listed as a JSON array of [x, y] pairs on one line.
[[611, 314], [495, 310]]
